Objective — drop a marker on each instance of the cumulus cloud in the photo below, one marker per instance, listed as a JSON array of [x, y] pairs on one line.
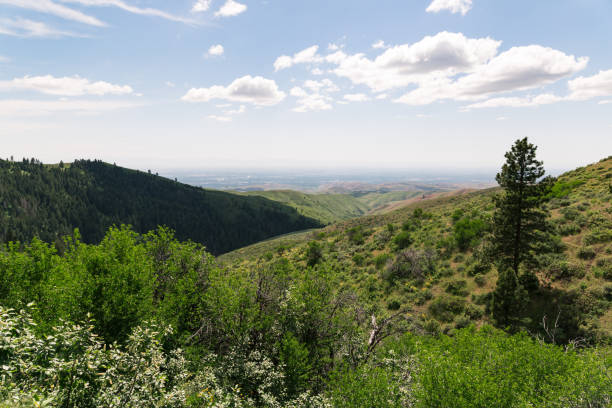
[[580, 89], [248, 89], [21, 107], [598, 85], [200, 6], [238, 111], [315, 96], [307, 55], [130, 9], [49, 7], [359, 97], [231, 8], [25, 28], [443, 54], [216, 50], [64, 86], [517, 69], [454, 6]]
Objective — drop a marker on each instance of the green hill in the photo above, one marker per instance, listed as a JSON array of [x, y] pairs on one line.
[[48, 201], [453, 280], [327, 208], [332, 207]]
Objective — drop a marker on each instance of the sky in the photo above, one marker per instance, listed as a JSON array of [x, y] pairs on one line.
[[387, 84]]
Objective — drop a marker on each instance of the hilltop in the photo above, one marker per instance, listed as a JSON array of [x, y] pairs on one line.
[[428, 257], [49, 201]]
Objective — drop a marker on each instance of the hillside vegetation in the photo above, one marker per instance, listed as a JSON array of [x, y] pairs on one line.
[[329, 208], [429, 258], [402, 310], [50, 201]]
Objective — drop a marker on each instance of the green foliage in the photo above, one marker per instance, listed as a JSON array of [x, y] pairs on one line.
[[402, 240], [410, 263], [457, 287], [467, 232], [444, 308], [356, 235], [314, 253], [487, 368], [586, 253], [562, 189], [519, 220], [509, 300], [49, 202]]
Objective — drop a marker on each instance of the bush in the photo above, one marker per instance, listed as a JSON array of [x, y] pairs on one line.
[[381, 260], [402, 240], [586, 253], [598, 236], [457, 287], [480, 280], [314, 253], [467, 232], [529, 281], [356, 235], [444, 308], [564, 270], [358, 259], [411, 264]]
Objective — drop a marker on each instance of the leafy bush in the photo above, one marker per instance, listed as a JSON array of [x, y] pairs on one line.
[[480, 280], [410, 263], [457, 287], [314, 253], [381, 260], [444, 308], [597, 236], [586, 253], [356, 235], [402, 240], [467, 232]]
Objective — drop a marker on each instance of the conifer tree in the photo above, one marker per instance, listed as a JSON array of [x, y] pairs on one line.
[[509, 299], [519, 219]]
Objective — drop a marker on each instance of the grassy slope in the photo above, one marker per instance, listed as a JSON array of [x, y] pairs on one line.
[[582, 215], [327, 208], [331, 208]]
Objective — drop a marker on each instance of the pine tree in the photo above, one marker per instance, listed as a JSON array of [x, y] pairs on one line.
[[509, 300], [519, 220]]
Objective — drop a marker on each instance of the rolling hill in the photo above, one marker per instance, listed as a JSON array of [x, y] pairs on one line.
[[49, 201], [449, 278]]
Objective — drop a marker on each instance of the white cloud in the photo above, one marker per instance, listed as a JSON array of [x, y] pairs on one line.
[[220, 118], [595, 86], [333, 47], [25, 28], [580, 89], [454, 6], [130, 9], [4, 59], [605, 102], [359, 97], [442, 55], [216, 50], [382, 96], [308, 55], [516, 102], [231, 8], [248, 89], [170, 84], [519, 68], [21, 107], [325, 85], [316, 97], [379, 45], [65, 86], [49, 7], [200, 6], [316, 71]]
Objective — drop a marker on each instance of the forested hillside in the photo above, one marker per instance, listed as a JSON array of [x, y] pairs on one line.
[[50, 201]]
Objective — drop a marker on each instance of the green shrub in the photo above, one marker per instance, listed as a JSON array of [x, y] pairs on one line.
[[444, 308], [381, 260], [457, 287], [356, 235], [597, 236], [480, 280], [358, 259], [402, 240], [586, 253], [569, 229], [314, 253], [564, 270], [562, 189], [467, 232]]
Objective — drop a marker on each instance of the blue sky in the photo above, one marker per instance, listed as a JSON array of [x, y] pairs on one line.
[[319, 84]]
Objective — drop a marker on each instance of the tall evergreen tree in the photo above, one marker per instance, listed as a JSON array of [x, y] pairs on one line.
[[519, 219], [509, 300]]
